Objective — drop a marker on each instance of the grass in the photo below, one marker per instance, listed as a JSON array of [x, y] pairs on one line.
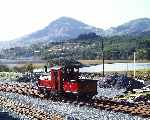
[[36, 65], [95, 62], [131, 96], [9, 76], [143, 74]]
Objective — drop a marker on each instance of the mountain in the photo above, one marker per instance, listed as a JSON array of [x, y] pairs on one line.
[[63, 28], [133, 27]]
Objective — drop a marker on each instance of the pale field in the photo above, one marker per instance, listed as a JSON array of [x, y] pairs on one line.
[[95, 62]]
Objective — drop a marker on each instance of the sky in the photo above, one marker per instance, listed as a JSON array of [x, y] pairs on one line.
[[21, 17]]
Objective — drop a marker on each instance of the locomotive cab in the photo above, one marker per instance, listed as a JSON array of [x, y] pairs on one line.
[[79, 87], [71, 76]]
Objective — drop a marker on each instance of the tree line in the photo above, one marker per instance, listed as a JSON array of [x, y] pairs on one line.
[[87, 46]]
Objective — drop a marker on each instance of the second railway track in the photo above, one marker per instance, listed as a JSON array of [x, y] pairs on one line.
[[108, 104]]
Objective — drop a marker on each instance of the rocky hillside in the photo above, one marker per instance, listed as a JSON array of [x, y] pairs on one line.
[[63, 28], [133, 27]]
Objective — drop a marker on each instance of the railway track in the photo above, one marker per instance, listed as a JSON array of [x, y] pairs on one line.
[[108, 104], [24, 109], [28, 110]]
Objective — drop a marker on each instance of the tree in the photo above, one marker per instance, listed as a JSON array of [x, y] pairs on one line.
[[141, 54]]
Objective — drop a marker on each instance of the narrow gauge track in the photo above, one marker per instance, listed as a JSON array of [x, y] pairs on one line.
[[109, 104]]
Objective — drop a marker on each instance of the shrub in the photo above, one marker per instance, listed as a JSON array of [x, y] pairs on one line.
[[4, 68]]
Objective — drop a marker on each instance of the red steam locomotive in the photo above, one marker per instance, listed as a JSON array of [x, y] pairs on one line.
[[66, 81]]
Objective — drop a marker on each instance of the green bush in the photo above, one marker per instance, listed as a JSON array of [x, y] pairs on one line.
[[4, 68]]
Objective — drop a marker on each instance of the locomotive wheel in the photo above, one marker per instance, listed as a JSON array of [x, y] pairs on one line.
[[88, 97], [43, 91], [40, 90]]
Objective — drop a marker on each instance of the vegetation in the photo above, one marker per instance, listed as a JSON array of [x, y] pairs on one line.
[[9, 76], [87, 47], [25, 68], [143, 74], [4, 68]]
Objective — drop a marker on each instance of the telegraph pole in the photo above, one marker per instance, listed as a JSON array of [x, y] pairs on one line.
[[103, 55], [134, 65]]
